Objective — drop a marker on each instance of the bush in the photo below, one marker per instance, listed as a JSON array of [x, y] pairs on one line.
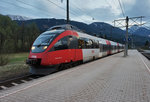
[[13, 71], [3, 59]]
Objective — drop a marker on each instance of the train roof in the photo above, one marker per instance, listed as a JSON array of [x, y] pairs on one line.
[[82, 34], [53, 31], [65, 27], [101, 40]]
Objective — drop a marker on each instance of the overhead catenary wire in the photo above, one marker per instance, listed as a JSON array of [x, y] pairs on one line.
[[82, 10], [121, 8], [9, 3], [146, 22], [71, 12], [147, 19], [12, 4], [56, 5], [108, 3], [43, 10]]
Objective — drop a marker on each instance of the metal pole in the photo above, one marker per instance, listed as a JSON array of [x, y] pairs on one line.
[[67, 11], [126, 42], [132, 41], [111, 33]]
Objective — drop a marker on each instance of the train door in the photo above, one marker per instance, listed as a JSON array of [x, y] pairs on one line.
[[72, 44], [104, 48], [101, 49], [59, 52], [63, 51], [109, 47], [117, 47]]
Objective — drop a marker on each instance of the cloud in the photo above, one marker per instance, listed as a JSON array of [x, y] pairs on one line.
[[139, 8], [100, 10]]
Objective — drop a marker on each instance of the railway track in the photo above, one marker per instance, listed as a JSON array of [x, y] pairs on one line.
[[29, 77], [25, 78], [19, 80], [146, 54]]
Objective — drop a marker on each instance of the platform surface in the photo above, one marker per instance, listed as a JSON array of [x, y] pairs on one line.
[[110, 79]]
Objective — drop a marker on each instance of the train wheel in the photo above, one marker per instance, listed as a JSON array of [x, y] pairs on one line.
[[93, 57], [80, 62], [67, 65], [74, 64], [61, 67]]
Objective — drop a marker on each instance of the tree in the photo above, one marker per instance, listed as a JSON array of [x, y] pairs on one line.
[[147, 43], [15, 38]]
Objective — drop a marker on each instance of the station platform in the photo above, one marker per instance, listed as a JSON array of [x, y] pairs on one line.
[[110, 79]]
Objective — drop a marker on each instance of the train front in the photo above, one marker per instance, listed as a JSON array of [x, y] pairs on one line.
[[38, 60]]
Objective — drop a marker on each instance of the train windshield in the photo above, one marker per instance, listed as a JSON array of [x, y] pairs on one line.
[[43, 40], [42, 43], [46, 37]]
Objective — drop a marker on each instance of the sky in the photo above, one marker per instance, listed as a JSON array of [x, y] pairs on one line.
[[86, 11]]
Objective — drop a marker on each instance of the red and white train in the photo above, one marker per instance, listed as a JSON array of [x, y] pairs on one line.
[[65, 44]]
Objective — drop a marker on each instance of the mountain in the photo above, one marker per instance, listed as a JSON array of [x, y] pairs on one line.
[[139, 35], [142, 32], [133, 28], [100, 29], [19, 18], [109, 30]]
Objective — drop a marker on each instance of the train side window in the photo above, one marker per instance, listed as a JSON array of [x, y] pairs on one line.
[[88, 43], [72, 42], [104, 48], [107, 47], [91, 45], [61, 44], [95, 44], [81, 43], [101, 47]]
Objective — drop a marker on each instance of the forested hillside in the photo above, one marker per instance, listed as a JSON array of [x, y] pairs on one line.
[[15, 38]]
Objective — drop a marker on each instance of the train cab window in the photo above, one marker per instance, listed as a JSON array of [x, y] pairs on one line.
[[42, 42], [61, 44]]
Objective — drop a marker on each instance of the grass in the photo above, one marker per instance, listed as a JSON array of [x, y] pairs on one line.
[[17, 58], [15, 67], [14, 70]]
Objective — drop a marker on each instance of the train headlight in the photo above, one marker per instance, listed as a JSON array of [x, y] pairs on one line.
[[45, 47], [33, 47]]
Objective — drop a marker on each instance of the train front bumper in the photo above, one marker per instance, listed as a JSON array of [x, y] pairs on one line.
[[33, 61]]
